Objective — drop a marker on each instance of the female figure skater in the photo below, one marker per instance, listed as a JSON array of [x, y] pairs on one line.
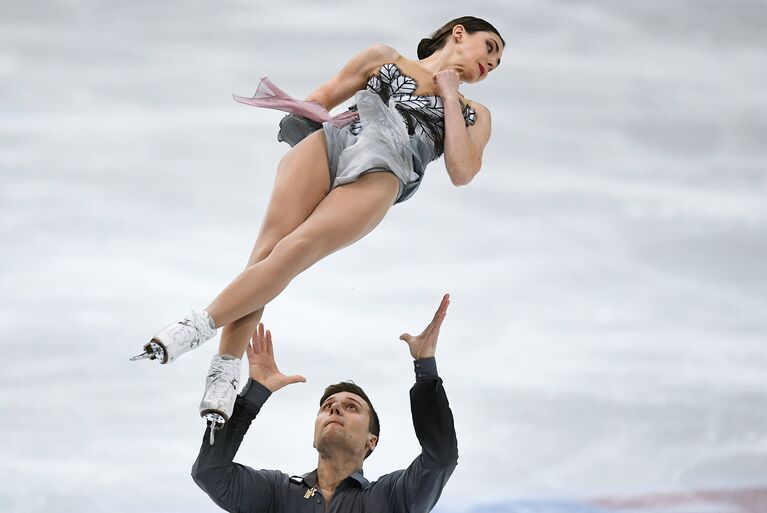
[[342, 176]]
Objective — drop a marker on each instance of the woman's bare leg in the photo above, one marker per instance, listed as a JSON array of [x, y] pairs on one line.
[[344, 216], [302, 181]]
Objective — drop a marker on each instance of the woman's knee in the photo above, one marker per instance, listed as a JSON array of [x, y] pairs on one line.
[[298, 250], [262, 249]]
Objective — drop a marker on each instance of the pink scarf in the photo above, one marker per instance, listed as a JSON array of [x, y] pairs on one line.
[[270, 96]]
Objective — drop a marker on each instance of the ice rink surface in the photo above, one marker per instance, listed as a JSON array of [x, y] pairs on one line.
[[606, 345]]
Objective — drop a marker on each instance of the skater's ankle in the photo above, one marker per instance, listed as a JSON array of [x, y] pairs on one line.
[[211, 322]]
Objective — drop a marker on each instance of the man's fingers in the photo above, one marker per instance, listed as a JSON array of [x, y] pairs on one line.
[[269, 348], [254, 337], [407, 337], [441, 312], [296, 378], [434, 324], [442, 308], [438, 321], [444, 303], [261, 338]]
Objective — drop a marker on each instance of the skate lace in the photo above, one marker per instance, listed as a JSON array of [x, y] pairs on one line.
[[224, 376]]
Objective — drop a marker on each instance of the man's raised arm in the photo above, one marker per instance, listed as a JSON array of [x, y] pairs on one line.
[[417, 488], [232, 486]]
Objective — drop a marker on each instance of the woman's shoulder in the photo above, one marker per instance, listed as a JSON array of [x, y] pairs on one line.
[[476, 105], [374, 57], [381, 54]]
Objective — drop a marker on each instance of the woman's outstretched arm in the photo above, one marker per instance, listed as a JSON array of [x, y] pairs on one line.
[[353, 76]]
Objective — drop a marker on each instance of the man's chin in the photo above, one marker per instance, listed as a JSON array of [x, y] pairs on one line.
[[331, 430], [330, 434]]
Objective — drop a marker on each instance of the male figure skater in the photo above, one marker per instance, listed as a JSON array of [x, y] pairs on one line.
[[345, 433]]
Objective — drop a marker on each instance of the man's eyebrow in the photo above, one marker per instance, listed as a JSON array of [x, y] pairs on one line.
[[356, 401], [350, 398]]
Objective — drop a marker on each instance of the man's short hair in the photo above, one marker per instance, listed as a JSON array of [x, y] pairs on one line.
[[349, 386]]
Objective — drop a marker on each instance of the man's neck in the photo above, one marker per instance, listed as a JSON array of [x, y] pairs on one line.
[[331, 471]]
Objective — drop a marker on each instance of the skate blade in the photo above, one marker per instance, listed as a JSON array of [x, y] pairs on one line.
[[152, 351], [216, 422], [143, 356]]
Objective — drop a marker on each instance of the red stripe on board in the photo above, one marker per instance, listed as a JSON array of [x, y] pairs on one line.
[[746, 500]]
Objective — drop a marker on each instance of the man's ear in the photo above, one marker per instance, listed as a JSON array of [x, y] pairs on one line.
[[372, 442]]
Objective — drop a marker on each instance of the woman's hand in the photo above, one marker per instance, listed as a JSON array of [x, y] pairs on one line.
[[446, 82], [425, 344], [261, 362]]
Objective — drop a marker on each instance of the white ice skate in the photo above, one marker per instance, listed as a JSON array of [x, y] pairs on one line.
[[178, 338], [220, 392]]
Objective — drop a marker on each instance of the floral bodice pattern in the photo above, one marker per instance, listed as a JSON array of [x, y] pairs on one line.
[[423, 114]]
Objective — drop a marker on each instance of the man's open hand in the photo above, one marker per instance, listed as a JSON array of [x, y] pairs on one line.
[[425, 344], [261, 362]]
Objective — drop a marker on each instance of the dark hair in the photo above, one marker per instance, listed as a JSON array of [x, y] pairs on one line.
[[349, 386], [429, 45]]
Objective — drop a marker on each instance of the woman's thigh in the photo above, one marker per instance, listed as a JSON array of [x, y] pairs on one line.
[[345, 215], [301, 183]]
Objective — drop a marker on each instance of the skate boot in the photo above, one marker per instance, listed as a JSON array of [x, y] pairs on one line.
[[220, 392], [178, 338]]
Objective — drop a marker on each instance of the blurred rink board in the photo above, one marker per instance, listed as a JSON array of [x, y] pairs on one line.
[[748, 499]]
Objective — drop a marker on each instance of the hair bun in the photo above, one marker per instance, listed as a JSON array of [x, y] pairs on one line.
[[423, 48]]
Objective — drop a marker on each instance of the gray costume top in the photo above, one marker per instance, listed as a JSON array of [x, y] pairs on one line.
[[397, 131], [416, 489]]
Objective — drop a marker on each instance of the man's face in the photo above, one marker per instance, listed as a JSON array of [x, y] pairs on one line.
[[343, 424]]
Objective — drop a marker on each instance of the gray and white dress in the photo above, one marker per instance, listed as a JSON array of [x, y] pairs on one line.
[[393, 130]]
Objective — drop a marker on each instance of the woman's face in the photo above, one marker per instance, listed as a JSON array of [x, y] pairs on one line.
[[479, 54]]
